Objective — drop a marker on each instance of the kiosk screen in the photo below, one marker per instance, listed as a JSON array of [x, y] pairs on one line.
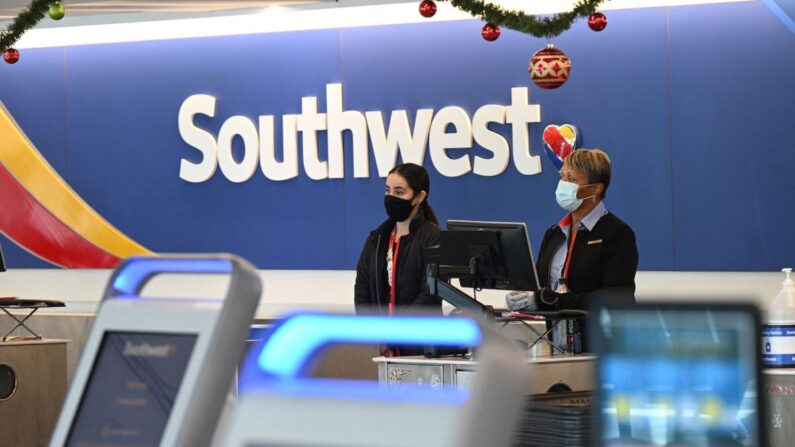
[[131, 389], [678, 377]]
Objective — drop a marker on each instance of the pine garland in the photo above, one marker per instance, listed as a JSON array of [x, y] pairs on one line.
[[26, 20], [545, 27]]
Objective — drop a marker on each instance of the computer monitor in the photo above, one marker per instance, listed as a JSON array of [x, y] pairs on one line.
[[2, 260], [510, 263], [678, 375]]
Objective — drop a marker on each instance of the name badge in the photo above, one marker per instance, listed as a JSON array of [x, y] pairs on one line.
[[595, 241]]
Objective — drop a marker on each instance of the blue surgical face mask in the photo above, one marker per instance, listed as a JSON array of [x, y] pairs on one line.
[[566, 195]]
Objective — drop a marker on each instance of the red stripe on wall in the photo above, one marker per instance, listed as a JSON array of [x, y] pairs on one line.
[[34, 228]]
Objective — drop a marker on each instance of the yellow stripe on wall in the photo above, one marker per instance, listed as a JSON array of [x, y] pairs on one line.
[[32, 171]]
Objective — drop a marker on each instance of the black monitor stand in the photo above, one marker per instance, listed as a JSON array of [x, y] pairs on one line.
[[439, 286], [473, 256]]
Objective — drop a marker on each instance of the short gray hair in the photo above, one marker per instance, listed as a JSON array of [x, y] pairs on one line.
[[594, 163]]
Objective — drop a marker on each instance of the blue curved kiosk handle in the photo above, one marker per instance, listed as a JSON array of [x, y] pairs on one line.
[[134, 273], [280, 362]]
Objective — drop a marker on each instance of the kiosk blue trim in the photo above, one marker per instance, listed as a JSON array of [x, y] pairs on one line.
[[135, 272], [280, 362]]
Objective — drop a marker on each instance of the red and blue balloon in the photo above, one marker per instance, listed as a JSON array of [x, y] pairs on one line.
[[559, 142]]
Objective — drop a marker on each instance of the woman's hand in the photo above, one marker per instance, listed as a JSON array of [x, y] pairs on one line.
[[521, 300]]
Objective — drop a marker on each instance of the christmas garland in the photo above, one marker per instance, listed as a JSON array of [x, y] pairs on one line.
[[26, 20], [545, 27]]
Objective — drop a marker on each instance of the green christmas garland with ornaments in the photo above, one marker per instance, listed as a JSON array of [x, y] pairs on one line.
[[549, 67], [26, 20], [497, 16]]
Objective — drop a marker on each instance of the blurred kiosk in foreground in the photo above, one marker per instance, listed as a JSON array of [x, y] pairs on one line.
[[155, 371], [281, 406], [679, 375]]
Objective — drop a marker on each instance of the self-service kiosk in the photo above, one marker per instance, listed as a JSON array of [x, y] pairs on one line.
[[679, 374], [281, 406], [155, 371]]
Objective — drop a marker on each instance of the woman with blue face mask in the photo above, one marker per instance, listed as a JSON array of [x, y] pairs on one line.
[[590, 253]]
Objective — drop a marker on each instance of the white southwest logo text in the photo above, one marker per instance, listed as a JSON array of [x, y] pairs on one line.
[[443, 132], [147, 350]]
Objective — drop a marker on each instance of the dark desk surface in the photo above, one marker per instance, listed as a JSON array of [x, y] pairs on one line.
[[540, 315], [12, 302]]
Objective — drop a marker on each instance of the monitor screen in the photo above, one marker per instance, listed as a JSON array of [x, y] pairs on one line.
[[678, 376], [519, 271], [131, 389], [2, 260]]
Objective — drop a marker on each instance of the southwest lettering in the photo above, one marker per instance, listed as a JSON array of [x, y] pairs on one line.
[[146, 350], [446, 134]]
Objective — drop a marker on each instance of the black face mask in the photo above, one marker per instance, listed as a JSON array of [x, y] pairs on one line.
[[397, 209]]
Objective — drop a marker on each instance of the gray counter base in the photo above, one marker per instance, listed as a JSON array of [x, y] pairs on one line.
[[564, 373]]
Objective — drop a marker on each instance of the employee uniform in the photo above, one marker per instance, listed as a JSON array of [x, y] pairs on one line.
[[373, 292], [604, 257]]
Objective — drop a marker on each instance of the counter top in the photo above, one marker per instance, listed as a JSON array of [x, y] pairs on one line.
[[459, 360]]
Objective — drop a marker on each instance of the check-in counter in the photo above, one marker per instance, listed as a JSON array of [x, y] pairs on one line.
[[32, 388], [550, 373], [780, 390]]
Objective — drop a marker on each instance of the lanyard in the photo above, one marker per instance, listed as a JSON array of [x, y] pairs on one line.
[[392, 256], [564, 279]]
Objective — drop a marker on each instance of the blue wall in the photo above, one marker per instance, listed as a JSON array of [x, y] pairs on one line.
[[693, 104]]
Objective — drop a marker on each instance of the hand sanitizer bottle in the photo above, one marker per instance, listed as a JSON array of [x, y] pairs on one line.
[[778, 336]]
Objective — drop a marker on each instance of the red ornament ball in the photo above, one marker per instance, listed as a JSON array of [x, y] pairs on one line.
[[597, 21], [490, 32], [427, 8], [11, 56], [549, 67]]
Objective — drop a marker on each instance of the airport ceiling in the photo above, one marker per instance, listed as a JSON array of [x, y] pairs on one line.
[[10, 8]]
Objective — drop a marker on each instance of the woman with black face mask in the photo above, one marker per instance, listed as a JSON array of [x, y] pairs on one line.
[[390, 275]]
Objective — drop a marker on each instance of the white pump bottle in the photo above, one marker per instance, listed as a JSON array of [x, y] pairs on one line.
[[782, 309], [778, 336]]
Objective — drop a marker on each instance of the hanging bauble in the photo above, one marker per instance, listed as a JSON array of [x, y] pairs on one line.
[[490, 32], [427, 8], [57, 11], [11, 55], [597, 21], [549, 67]]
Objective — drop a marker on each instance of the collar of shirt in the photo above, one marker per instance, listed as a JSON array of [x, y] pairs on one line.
[[588, 221]]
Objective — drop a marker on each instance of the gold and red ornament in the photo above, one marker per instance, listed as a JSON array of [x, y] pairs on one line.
[[57, 11], [549, 67], [427, 8], [490, 32], [11, 56], [597, 21]]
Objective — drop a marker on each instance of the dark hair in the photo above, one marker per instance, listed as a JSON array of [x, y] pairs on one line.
[[417, 178]]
